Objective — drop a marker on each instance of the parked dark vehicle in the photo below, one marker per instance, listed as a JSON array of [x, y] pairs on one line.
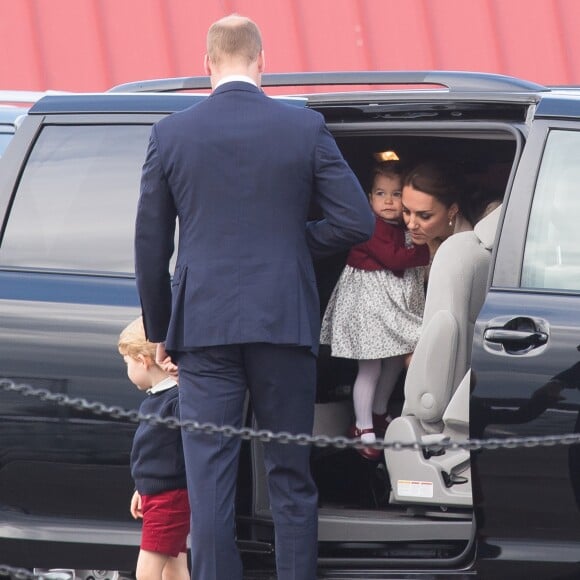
[[504, 304]]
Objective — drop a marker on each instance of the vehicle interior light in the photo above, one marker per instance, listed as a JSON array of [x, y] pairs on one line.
[[386, 156]]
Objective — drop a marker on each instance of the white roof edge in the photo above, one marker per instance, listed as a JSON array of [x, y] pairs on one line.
[[10, 96]]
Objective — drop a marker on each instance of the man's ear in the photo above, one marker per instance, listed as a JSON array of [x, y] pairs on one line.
[[206, 65], [261, 62]]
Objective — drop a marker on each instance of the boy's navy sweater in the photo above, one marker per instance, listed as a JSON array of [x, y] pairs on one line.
[[157, 462]]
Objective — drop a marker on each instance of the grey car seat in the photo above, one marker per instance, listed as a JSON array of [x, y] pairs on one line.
[[436, 405]]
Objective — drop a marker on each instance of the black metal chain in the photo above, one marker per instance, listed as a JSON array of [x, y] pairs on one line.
[[267, 436], [264, 436]]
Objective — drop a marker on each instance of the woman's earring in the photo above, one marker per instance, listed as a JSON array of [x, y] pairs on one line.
[[450, 223]]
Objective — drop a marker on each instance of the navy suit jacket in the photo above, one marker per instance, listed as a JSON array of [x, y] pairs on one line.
[[239, 171]]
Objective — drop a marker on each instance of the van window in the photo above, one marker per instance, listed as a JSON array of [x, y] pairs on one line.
[[5, 137], [552, 252], [75, 206]]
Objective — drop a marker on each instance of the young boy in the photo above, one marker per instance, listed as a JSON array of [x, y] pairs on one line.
[[157, 465]]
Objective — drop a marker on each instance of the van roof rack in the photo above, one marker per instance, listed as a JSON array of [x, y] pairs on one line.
[[459, 81]]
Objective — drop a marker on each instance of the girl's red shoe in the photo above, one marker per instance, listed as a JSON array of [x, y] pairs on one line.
[[366, 452]]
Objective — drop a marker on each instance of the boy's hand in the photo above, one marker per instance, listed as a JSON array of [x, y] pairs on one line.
[[164, 360], [136, 505]]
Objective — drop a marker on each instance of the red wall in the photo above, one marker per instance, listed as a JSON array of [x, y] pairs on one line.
[[91, 45]]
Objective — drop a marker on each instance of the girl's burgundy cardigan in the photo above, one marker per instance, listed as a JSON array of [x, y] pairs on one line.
[[386, 250]]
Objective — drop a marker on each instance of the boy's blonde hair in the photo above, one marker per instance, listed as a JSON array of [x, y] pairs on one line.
[[132, 341]]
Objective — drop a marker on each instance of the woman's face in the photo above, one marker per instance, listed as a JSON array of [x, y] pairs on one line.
[[426, 217]]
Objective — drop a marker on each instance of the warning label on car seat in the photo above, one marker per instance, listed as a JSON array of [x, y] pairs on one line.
[[406, 487]]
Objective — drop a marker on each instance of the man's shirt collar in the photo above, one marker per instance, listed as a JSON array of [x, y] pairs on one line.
[[234, 78]]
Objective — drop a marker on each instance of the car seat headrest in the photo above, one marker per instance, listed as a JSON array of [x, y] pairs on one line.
[[486, 228]]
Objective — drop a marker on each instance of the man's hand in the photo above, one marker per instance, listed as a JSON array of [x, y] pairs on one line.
[[164, 360]]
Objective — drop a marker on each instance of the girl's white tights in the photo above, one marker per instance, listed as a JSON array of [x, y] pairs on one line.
[[390, 370], [372, 390]]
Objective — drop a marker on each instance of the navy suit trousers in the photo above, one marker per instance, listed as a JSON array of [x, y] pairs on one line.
[[213, 382]]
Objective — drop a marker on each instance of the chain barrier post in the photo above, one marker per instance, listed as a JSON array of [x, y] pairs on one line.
[[18, 573]]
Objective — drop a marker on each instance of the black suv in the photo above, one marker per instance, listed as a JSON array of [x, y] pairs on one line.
[[69, 183]]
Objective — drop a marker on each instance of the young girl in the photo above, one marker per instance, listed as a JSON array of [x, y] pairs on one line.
[[374, 313]]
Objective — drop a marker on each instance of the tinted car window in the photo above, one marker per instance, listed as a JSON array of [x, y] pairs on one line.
[[5, 135], [552, 253], [79, 182]]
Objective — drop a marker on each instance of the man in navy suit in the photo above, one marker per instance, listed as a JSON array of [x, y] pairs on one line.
[[239, 171]]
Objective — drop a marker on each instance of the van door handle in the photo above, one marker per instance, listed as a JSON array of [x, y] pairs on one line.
[[521, 338]]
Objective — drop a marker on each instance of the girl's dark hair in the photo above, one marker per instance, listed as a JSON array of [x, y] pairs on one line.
[[442, 181], [387, 169]]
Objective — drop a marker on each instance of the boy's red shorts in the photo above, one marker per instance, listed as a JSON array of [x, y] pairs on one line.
[[165, 522]]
